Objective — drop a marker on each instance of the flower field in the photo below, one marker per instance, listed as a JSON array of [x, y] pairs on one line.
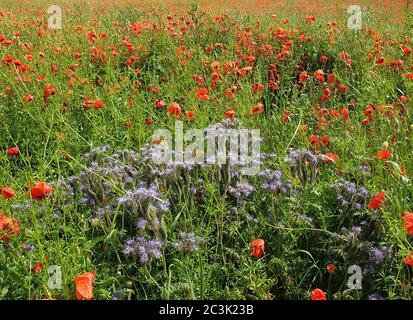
[[93, 92]]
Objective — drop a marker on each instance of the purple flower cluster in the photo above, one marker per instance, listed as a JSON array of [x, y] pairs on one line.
[[103, 176], [143, 250], [187, 243], [351, 235], [241, 191], [378, 254], [140, 196], [274, 182], [350, 196], [304, 164]]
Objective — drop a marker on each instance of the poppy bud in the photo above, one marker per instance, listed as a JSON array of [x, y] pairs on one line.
[[13, 151], [37, 267]]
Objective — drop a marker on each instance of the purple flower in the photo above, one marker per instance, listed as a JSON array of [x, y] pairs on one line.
[[241, 191], [142, 249], [273, 182], [139, 196], [378, 254], [304, 164], [351, 235], [187, 244], [350, 196]]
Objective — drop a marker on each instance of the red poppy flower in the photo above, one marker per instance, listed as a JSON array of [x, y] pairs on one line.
[[257, 109], [377, 201], [202, 94], [174, 109], [84, 285], [48, 91], [159, 104], [27, 97], [366, 121], [148, 121], [330, 158], [408, 222], [409, 260], [304, 77], [334, 113], [8, 227], [345, 114], [331, 78], [314, 139], [383, 154], [403, 99], [257, 87], [37, 267], [257, 248], [323, 59], [327, 92], [325, 140], [40, 191], [310, 19], [98, 104], [54, 68], [318, 294], [380, 60], [189, 115], [230, 114], [273, 86], [7, 192], [319, 75], [13, 151], [331, 268]]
